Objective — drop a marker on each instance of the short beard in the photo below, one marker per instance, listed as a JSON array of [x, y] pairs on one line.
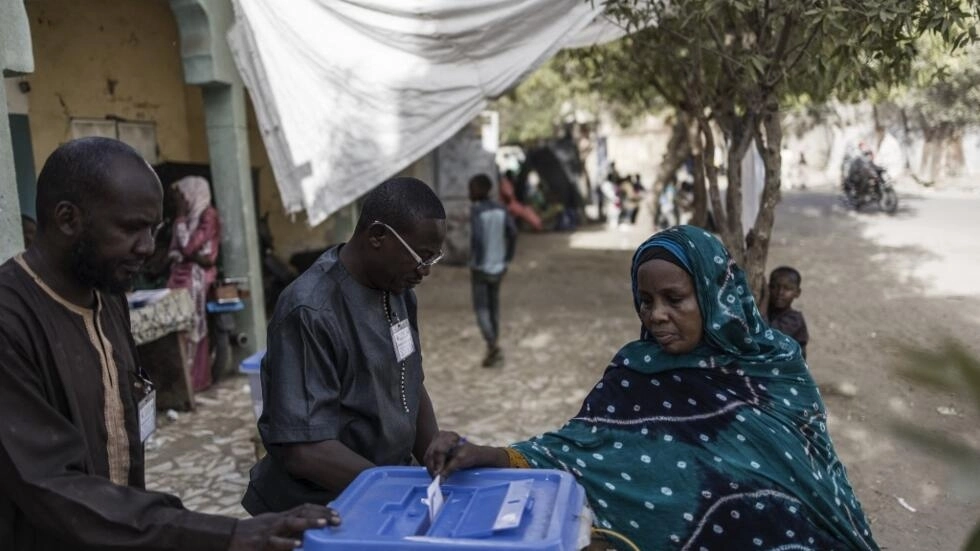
[[91, 270]]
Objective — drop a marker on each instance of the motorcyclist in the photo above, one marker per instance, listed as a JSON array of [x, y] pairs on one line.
[[861, 172]]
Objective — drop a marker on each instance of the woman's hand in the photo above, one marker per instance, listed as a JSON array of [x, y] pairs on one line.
[[280, 531], [449, 452]]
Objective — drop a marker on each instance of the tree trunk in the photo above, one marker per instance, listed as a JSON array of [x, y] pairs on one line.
[[906, 139], [700, 215], [742, 131], [678, 150], [711, 173], [955, 160], [933, 152], [757, 253]]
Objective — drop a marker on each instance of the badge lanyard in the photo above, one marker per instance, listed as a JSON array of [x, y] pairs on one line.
[[401, 339]]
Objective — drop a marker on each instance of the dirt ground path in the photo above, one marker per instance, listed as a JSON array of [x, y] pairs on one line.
[[566, 309]]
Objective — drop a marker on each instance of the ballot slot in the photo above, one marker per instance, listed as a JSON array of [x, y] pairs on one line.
[[479, 512], [407, 513]]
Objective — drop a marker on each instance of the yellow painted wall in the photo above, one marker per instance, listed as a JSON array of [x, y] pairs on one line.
[[80, 46]]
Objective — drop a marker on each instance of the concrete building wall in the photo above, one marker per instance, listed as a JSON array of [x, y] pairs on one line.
[[102, 58], [121, 58], [635, 150], [197, 135], [17, 103], [15, 58], [456, 161]]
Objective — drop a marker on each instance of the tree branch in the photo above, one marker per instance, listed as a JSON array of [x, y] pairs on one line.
[[650, 72], [792, 65], [687, 40], [771, 154], [711, 171], [780, 51], [742, 131]]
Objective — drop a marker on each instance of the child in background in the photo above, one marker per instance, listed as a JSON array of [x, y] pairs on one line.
[[784, 288], [493, 235]]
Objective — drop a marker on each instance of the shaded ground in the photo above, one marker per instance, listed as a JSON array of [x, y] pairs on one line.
[[861, 299], [567, 309]]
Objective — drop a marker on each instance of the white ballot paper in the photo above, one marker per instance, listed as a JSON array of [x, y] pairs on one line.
[[434, 497]]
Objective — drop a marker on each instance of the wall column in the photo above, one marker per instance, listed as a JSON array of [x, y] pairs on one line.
[[224, 112], [203, 25], [15, 58]]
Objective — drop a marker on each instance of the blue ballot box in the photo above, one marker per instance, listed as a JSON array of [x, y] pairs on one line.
[[252, 366], [484, 509]]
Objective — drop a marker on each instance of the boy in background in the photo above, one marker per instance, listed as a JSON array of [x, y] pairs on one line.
[[784, 288], [493, 235]]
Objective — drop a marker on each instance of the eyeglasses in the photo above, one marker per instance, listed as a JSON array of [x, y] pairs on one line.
[[421, 263]]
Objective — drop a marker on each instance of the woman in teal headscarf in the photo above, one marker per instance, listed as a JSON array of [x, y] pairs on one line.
[[707, 432]]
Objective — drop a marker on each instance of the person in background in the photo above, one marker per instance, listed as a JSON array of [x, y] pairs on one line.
[[493, 236], [29, 229], [640, 192], [667, 206], [706, 433], [784, 288], [861, 169], [609, 198], [342, 379], [71, 387], [194, 253], [517, 209], [629, 200]]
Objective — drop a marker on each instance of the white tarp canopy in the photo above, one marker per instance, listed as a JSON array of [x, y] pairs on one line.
[[349, 92]]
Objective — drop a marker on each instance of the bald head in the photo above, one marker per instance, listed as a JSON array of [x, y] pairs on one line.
[[88, 170], [98, 207], [401, 203]]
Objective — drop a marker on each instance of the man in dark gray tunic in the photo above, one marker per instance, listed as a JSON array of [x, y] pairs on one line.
[[342, 379]]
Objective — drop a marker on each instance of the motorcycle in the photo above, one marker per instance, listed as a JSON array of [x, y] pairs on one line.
[[227, 298], [867, 183]]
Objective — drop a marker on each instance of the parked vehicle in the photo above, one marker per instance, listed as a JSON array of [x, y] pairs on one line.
[[227, 298]]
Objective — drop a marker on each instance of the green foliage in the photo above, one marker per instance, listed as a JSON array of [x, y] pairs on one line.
[[553, 94], [944, 89], [749, 50], [731, 57], [953, 369], [567, 88]]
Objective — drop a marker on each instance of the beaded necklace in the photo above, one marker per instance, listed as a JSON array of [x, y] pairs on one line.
[[385, 303]]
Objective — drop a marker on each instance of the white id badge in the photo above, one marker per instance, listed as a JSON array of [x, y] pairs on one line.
[[148, 415], [401, 337]]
